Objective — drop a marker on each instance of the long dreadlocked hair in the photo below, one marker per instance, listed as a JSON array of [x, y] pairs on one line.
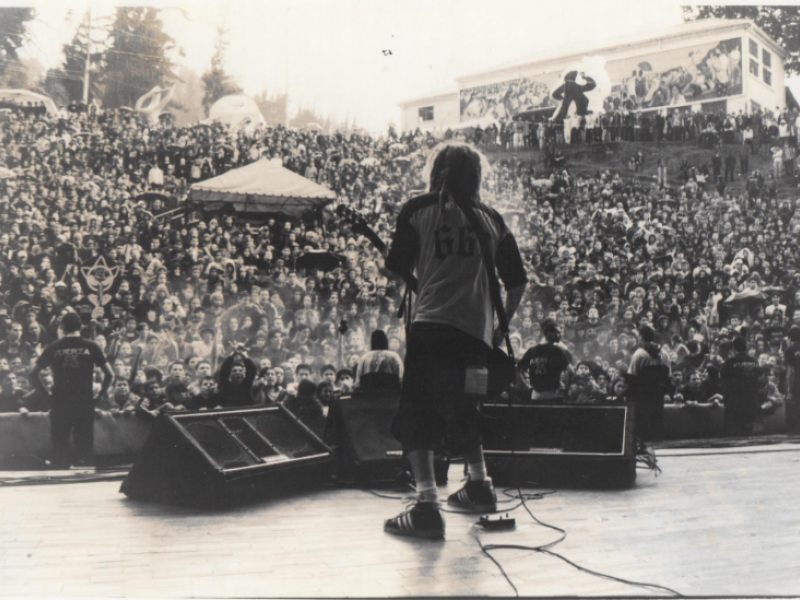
[[455, 172]]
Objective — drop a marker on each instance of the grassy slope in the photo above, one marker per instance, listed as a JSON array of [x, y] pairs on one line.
[[585, 160]]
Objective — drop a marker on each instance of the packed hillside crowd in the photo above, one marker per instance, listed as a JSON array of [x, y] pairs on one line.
[[214, 311], [760, 130]]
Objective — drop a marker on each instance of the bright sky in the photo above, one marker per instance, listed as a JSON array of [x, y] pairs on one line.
[[332, 52]]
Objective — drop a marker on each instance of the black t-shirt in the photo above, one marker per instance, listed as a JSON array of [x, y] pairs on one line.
[[72, 360], [792, 359], [740, 377], [84, 308], [545, 363]]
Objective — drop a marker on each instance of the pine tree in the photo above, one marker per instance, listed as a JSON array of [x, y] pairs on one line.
[[136, 59], [69, 78], [13, 31], [272, 107], [218, 83]]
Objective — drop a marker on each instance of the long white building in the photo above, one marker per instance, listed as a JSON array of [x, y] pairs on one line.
[[703, 65]]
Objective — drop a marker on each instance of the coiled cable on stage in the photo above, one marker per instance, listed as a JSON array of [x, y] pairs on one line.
[[546, 549]]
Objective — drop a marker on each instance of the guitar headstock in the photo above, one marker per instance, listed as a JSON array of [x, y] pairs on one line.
[[350, 215]]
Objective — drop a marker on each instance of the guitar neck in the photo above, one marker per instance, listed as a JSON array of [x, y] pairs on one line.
[[376, 241]]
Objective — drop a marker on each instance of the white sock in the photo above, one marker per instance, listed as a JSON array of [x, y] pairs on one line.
[[426, 491], [477, 471]]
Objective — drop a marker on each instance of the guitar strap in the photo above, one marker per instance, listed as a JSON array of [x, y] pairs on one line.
[[484, 241]]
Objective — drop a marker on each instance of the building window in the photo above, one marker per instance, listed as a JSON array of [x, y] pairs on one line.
[[767, 77], [753, 67], [425, 113], [755, 106], [753, 49], [766, 58]]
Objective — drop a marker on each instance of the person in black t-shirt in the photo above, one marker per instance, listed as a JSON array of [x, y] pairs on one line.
[[72, 360], [792, 361], [740, 387], [545, 364]]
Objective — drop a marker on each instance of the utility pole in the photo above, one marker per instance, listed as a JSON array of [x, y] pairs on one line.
[[88, 57]]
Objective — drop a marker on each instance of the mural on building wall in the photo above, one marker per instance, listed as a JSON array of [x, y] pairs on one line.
[[674, 77], [508, 98]]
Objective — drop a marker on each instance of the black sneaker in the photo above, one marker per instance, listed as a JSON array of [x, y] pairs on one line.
[[475, 496], [422, 520]]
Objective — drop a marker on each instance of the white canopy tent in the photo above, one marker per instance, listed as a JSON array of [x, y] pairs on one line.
[[262, 187], [24, 96]]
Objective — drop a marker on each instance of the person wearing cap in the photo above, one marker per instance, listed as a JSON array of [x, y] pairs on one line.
[[72, 360], [740, 375], [545, 365], [791, 358]]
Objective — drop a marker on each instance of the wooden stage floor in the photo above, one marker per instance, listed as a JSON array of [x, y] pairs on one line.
[[715, 522]]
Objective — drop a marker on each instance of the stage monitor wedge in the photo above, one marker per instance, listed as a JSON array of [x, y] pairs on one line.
[[217, 458], [579, 444], [359, 427]]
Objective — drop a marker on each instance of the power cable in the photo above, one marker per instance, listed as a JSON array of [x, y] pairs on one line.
[[487, 549], [545, 549]]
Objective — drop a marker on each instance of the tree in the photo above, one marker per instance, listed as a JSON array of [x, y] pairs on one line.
[[13, 31], [54, 87], [187, 104], [304, 116], [781, 23], [13, 34], [272, 107], [218, 83], [136, 59], [75, 64]]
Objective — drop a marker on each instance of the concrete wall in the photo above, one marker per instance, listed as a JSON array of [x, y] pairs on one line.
[[768, 96], [445, 113]]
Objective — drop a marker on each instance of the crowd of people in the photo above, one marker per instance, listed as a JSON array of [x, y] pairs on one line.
[[216, 311], [759, 130]]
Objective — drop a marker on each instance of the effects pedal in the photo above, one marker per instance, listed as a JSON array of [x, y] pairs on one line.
[[500, 524]]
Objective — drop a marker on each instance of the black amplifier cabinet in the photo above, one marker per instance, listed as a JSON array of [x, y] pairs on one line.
[[220, 457], [591, 445], [360, 430]]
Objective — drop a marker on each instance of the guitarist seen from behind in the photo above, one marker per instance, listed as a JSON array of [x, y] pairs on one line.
[[452, 329]]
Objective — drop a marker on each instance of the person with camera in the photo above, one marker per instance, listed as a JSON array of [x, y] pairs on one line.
[[452, 329]]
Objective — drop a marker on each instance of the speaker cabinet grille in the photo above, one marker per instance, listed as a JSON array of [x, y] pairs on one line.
[[285, 438], [582, 444], [220, 446], [247, 435], [221, 457]]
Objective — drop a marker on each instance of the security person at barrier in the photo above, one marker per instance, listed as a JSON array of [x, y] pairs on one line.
[[791, 358], [651, 369], [740, 390], [451, 330], [72, 360]]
